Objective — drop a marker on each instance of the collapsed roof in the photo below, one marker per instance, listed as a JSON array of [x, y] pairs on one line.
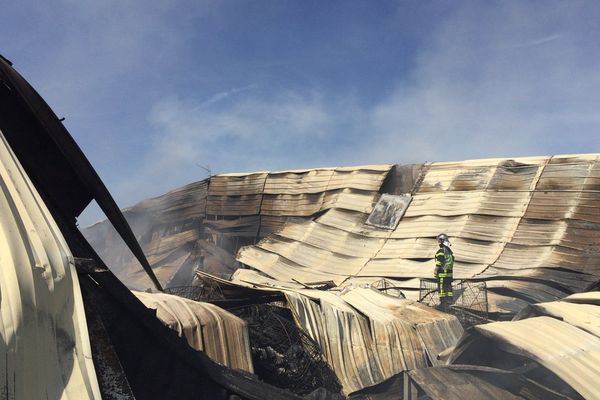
[[528, 227], [367, 336]]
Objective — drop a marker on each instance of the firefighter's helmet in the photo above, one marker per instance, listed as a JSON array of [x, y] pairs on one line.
[[442, 238]]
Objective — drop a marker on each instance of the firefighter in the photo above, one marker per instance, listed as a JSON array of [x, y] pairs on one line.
[[444, 262]]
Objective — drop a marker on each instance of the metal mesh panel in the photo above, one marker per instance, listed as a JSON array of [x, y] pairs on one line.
[[469, 303], [284, 355], [206, 292]]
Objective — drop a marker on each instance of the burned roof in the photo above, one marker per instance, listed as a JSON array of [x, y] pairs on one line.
[[527, 226]]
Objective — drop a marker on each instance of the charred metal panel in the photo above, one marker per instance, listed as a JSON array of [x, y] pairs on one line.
[[389, 210]]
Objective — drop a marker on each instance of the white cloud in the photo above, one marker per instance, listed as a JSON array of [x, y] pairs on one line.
[[471, 96], [247, 133], [288, 115], [224, 95], [539, 41]]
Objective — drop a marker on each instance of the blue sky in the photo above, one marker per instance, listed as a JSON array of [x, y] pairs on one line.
[[153, 90]]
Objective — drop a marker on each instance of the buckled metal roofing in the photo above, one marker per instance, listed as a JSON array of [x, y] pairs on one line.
[[523, 221], [367, 336], [206, 327], [562, 336]]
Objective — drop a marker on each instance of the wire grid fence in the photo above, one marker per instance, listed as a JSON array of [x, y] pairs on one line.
[[284, 355], [469, 303], [205, 292]]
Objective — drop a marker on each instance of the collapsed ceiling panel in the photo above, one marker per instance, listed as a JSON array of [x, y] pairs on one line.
[[206, 327], [367, 336]]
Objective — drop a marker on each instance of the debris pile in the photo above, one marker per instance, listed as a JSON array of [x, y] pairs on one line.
[[283, 354]]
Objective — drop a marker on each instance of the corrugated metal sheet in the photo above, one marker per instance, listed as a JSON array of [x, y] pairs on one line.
[[435, 331], [367, 336], [298, 182], [316, 235], [560, 278], [443, 383], [251, 278], [300, 205], [569, 352], [206, 327], [343, 335], [315, 250], [229, 211], [535, 292], [167, 251], [243, 226], [234, 205], [294, 193], [561, 336], [351, 221], [584, 298], [242, 208], [183, 203], [582, 316], [235, 194], [45, 349], [166, 227], [237, 184], [270, 224], [409, 288]]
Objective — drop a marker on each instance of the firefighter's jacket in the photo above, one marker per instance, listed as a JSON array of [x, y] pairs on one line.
[[444, 262]]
